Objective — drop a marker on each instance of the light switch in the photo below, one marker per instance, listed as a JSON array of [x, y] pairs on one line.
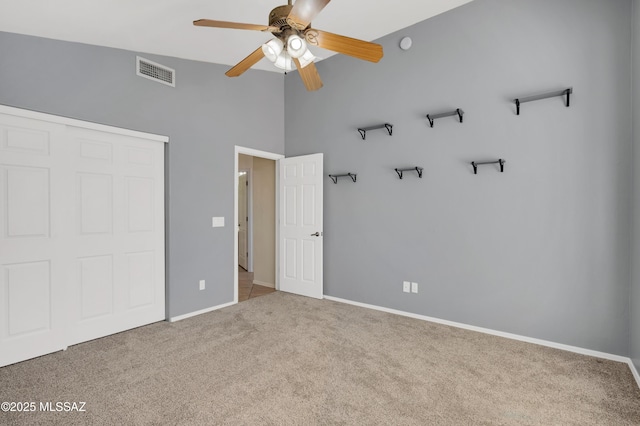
[[217, 222]]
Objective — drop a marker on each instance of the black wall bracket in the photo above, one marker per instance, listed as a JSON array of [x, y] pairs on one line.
[[457, 112], [363, 130], [476, 164], [410, 169], [565, 92], [334, 178]]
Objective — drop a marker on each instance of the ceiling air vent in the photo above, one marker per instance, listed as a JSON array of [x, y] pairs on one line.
[[155, 72]]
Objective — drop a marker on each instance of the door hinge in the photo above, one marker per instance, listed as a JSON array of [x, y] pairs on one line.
[[247, 183]]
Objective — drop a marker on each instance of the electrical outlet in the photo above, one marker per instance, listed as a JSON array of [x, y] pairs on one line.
[[202, 285], [414, 287], [406, 286]]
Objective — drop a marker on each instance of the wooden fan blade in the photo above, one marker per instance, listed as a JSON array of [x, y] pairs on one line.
[[234, 25], [246, 63], [304, 11], [309, 75], [346, 45]]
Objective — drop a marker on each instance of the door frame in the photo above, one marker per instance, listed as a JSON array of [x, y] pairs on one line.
[[269, 156], [250, 216]]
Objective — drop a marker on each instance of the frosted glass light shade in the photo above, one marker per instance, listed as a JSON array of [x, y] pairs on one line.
[[272, 49], [284, 62], [296, 46], [306, 58]]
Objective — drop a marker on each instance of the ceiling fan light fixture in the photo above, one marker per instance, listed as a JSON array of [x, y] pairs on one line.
[[306, 58], [272, 49], [296, 46], [284, 62], [290, 26]]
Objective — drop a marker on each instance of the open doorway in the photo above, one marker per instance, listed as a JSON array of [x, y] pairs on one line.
[[298, 221], [255, 251]]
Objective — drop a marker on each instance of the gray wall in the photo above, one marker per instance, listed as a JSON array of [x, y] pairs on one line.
[[204, 116], [635, 196], [541, 250]]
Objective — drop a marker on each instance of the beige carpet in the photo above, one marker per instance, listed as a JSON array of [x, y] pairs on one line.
[[282, 359]]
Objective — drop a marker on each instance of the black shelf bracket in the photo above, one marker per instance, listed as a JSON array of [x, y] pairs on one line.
[[363, 130], [565, 92], [499, 161], [432, 117], [410, 169], [334, 178]]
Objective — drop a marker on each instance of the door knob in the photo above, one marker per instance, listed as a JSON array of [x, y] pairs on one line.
[[317, 234]]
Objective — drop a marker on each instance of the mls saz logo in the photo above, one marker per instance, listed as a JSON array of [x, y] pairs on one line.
[[63, 406]]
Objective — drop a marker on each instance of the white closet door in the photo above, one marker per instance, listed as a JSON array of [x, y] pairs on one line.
[[117, 242], [32, 312], [81, 233]]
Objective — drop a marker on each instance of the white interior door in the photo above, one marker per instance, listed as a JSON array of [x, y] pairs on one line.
[[301, 225], [32, 313], [117, 242], [81, 233], [243, 220]]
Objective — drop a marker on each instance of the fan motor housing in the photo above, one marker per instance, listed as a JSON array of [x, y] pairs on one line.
[[278, 16]]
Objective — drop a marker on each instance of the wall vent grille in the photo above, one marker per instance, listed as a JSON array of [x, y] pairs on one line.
[[156, 72]]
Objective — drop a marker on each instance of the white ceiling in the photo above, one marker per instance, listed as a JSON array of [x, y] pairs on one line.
[[165, 27]]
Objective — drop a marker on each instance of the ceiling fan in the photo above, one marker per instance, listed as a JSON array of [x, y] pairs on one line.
[[291, 27]]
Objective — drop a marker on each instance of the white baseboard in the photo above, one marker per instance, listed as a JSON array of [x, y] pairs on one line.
[[203, 311], [535, 341], [264, 284], [634, 371]]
